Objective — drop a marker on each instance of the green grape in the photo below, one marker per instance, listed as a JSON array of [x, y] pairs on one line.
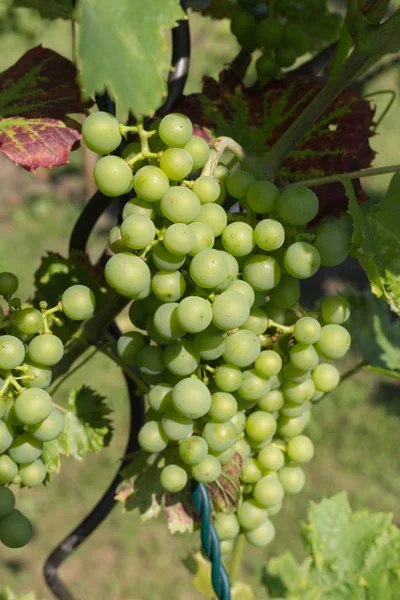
[[335, 310], [304, 357], [239, 182], [150, 360], [277, 315], [175, 129], [232, 273], [150, 183], [180, 205], [137, 231], [257, 321], [334, 342], [199, 150], [266, 68], [243, 447], [138, 312], [226, 526], [12, 352], [268, 363], [298, 205], [272, 401], [137, 206], [165, 260], [166, 322], [221, 173], [193, 450], [230, 310], [307, 330], [173, 478], [269, 34], [260, 426], [263, 535], [25, 449], [208, 470], [251, 471], [326, 377], [271, 458], [152, 437], [207, 189], [191, 398], [228, 377], [253, 387], [8, 283], [8, 470], [219, 436], [176, 426], [9, 414], [46, 350], [300, 449], [33, 473], [238, 239], [298, 393], [243, 288], [33, 406], [160, 397], [269, 234], [7, 501], [261, 272], [179, 239], [168, 286], [15, 530], [262, 196], [226, 547], [29, 321], [153, 333], [113, 176], [285, 56], [286, 293], [131, 150], [223, 406], [203, 237], [290, 373], [50, 428], [210, 344], [208, 268], [251, 515], [78, 302], [115, 242], [128, 345], [194, 314], [302, 260], [292, 479], [176, 163], [243, 24], [333, 243], [294, 410], [127, 274], [100, 132], [213, 215], [268, 492], [181, 357], [292, 36], [241, 349], [6, 436], [289, 427]]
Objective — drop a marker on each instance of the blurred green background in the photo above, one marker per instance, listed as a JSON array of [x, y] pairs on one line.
[[356, 429]]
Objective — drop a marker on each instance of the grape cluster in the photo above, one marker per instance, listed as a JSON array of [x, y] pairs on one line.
[[28, 417], [284, 34], [232, 360]]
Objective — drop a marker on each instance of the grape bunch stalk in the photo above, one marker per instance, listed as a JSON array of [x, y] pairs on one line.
[[213, 259], [28, 416]]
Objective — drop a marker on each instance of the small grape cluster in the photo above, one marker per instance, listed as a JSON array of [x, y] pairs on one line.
[[28, 417], [232, 360]]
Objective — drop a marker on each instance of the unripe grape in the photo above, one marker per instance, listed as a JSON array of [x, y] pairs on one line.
[[29, 321], [113, 176], [100, 132], [78, 302], [300, 449], [175, 129], [292, 479], [335, 310], [226, 525], [173, 478], [8, 283], [15, 530]]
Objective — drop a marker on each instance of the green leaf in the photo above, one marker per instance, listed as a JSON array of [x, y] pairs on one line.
[[123, 50], [49, 9], [376, 242]]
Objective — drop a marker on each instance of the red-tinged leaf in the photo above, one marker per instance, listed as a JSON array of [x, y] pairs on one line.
[[256, 118], [36, 95], [225, 492]]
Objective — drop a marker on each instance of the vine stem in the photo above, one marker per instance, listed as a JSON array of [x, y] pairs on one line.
[[138, 380], [236, 559], [53, 390], [352, 175], [354, 370], [219, 146]]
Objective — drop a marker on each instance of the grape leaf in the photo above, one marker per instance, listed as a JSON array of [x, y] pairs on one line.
[[225, 492], [141, 489], [353, 556], [376, 242], [6, 593], [36, 95], [123, 50], [49, 9]]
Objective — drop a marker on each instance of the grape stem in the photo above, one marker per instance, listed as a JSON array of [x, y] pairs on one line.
[[71, 371], [351, 175], [60, 408], [218, 148], [285, 329], [127, 370], [236, 558]]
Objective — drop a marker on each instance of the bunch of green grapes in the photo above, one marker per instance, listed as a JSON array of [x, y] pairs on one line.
[[28, 417], [284, 34], [232, 361]]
